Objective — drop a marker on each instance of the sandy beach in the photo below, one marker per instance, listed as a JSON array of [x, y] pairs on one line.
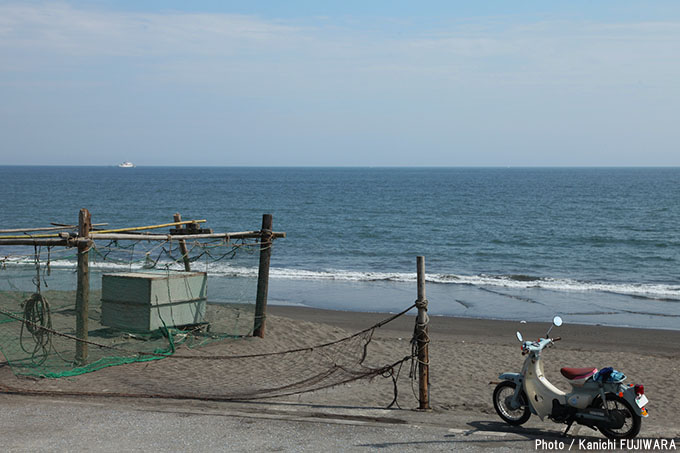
[[467, 354], [466, 357]]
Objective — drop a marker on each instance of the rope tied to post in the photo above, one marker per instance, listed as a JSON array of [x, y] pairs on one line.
[[420, 334], [420, 361], [421, 304], [266, 239]]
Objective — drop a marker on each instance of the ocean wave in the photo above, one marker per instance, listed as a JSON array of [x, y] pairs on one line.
[[655, 291], [513, 281]]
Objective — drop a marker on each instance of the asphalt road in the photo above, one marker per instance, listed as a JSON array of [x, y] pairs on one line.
[[103, 425]]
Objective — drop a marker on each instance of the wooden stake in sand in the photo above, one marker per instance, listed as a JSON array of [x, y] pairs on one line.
[[83, 287], [422, 338], [263, 275]]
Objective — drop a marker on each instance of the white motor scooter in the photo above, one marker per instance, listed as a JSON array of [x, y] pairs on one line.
[[598, 400]]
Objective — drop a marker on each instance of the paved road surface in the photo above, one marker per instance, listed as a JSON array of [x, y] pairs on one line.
[[116, 425]]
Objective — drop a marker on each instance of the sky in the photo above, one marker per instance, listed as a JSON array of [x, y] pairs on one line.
[[340, 83]]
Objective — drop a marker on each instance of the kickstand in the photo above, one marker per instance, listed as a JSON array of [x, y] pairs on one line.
[[571, 422]]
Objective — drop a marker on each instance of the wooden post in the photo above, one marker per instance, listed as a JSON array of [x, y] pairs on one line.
[[263, 276], [183, 247], [83, 287], [422, 338]]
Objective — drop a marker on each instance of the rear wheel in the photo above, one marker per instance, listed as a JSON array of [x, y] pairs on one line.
[[502, 398], [621, 410]]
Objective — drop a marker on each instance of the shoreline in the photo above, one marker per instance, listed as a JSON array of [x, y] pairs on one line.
[[478, 302], [283, 307], [498, 331]]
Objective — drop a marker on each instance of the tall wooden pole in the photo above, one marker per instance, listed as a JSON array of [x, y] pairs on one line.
[[422, 338], [263, 276], [83, 286], [183, 247]]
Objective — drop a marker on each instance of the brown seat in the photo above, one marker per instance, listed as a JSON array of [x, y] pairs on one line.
[[577, 373]]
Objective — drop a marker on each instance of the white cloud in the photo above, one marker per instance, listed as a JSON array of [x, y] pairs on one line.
[[64, 29], [481, 81], [543, 52]]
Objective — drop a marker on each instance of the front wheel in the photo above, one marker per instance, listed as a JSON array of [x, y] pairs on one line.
[[502, 397], [621, 410]]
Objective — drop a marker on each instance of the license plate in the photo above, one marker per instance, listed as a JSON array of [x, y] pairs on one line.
[[641, 401]]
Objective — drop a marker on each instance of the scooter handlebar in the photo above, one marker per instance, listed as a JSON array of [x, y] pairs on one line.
[[556, 339]]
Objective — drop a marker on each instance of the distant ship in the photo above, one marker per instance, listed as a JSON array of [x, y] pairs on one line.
[[126, 164]]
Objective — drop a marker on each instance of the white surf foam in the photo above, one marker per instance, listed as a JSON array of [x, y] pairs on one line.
[[657, 291]]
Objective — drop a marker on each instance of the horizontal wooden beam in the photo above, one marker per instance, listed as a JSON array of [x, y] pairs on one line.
[[73, 241], [117, 230], [148, 227], [177, 237]]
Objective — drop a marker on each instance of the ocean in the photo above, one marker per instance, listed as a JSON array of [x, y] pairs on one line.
[[595, 245]]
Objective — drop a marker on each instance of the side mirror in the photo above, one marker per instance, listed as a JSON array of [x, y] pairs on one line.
[[557, 321], [519, 336]]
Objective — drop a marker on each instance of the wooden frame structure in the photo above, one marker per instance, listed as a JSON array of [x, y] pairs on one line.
[[85, 237]]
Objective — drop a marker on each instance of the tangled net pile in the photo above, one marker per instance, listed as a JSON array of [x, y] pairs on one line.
[[214, 361]]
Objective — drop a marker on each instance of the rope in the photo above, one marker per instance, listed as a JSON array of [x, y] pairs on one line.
[[386, 371], [419, 341], [152, 258], [38, 322], [36, 317]]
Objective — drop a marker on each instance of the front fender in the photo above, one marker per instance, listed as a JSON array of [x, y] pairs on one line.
[[514, 377], [517, 379]]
